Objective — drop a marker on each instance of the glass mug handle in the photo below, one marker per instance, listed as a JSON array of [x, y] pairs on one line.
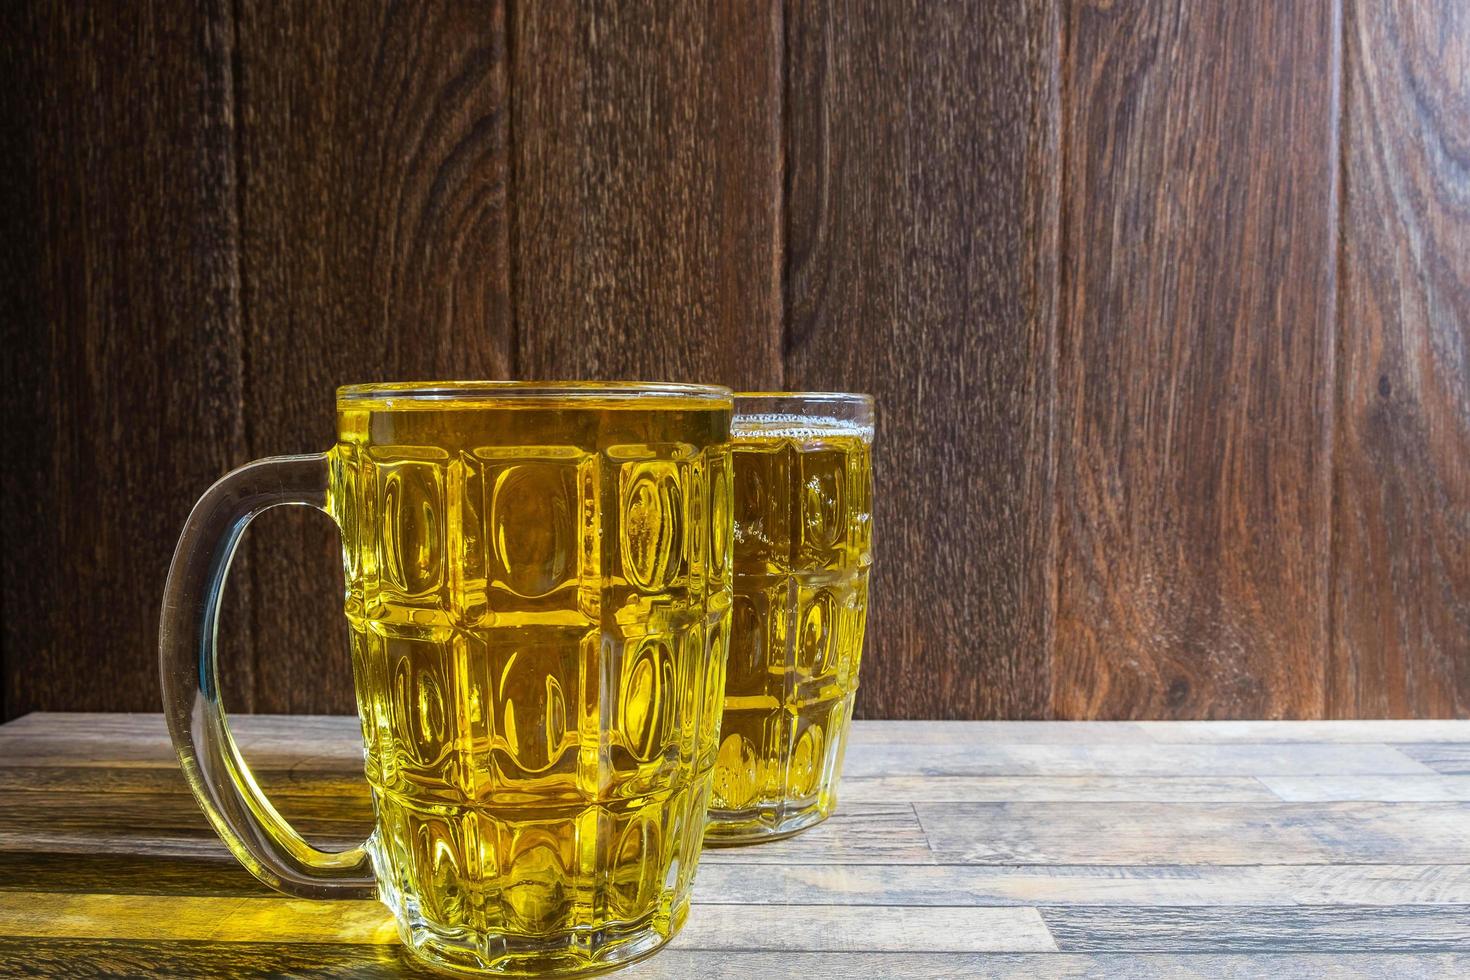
[[226, 789]]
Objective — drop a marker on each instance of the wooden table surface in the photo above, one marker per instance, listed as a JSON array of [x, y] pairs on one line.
[[961, 849]]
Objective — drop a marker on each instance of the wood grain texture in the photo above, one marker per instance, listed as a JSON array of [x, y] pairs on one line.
[[297, 781], [106, 843], [1273, 930], [880, 732], [887, 833], [799, 966], [1196, 833], [1195, 359], [1450, 758], [920, 267], [128, 874], [1020, 758], [1377, 884], [646, 175], [30, 957], [373, 145], [82, 958], [1388, 789], [1047, 885], [149, 747], [195, 918], [1401, 528], [119, 281], [982, 789], [836, 928], [56, 811], [102, 727]]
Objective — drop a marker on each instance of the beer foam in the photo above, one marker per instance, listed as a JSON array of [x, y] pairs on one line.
[[803, 428]]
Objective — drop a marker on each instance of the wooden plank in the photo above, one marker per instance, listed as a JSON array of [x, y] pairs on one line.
[[921, 222], [855, 834], [150, 724], [142, 812], [152, 752], [1195, 359], [334, 741], [375, 143], [118, 255], [839, 928], [1249, 759], [218, 874], [1417, 730], [194, 918], [1209, 885], [997, 789], [1197, 833], [211, 919], [1387, 789], [968, 885], [76, 958], [185, 843], [1452, 759], [325, 743], [188, 842], [873, 731], [1401, 541], [1378, 884], [647, 168], [277, 783], [129, 874], [114, 792], [30, 957], [1339, 930], [676, 965]]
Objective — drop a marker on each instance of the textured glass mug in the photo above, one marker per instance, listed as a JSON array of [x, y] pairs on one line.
[[538, 593], [803, 491]]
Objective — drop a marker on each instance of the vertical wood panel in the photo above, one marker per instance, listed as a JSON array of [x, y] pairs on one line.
[[1195, 346], [646, 176], [1401, 591], [921, 156], [374, 150], [119, 285]]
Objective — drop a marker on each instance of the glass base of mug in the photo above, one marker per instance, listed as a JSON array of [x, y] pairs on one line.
[[757, 824], [562, 955]]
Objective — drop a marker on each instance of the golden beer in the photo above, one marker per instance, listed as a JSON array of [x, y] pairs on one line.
[[803, 545], [538, 596]]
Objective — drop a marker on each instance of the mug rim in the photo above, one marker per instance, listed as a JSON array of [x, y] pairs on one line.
[[446, 391], [838, 397], [804, 414]]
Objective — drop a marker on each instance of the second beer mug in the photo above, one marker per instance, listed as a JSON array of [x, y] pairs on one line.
[[803, 546]]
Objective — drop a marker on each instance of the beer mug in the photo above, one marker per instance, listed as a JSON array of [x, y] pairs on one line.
[[803, 544], [538, 596]]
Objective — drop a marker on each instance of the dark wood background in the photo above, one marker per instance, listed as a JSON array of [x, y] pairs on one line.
[[1165, 305]]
